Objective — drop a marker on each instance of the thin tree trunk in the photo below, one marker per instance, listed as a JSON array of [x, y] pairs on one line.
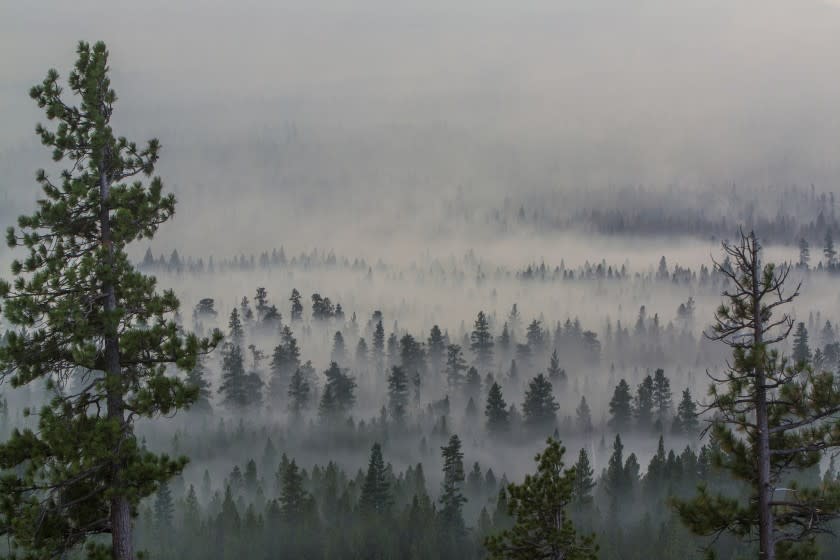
[[765, 515], [121, 541]]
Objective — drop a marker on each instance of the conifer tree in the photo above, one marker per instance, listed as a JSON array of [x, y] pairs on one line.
[[496, 411], [542, 529], [297, 307], [621, 408], [239, 389], [376, 491], [643, 403], [804, 253], [662, 398], [584, 417], [540, 407], [412, 355], [278, 371], [455, 366], [379, 345], [261, 299], [245, 311], [584, 483], [235, 331], [686, 421], [801, 351], [295, 501], [84, 315], [285, 360], [481, 342], [397, 394], [773, 419], [452, 499], [535, 337], [196, 378], [339, 394], [436, 346], [616, 481], [556, 374]]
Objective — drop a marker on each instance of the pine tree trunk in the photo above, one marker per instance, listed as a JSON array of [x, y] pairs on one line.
[[121, 542], [765, 515]]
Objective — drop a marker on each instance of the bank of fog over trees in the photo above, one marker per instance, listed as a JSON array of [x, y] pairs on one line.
[[324, 413], [372, 389], [320, 406]]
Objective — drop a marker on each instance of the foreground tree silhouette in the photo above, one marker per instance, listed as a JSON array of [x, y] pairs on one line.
[[541, 529], [93, 328], [773, 419]]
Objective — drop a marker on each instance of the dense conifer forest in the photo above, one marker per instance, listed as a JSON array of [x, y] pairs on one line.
[[375, 281]]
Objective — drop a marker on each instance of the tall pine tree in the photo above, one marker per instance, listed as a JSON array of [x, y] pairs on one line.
[[773, 419], [542, 529], [82, 314]]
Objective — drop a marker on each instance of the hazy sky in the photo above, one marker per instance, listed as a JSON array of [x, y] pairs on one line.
[[404, 99]]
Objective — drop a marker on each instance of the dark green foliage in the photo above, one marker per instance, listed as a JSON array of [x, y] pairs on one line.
[[617, 480], [239, 389], [436, 348], [662, 402], [540, 407], [247, 314], [379, 344], [801, 350], [205, 308], [686, 420], [412, 356], [542, 528], [339, 394], [496, 411], [297, 307], [82, 315], [455, 366], [235, 331], [584, 483], [299, 392], [376, 490], [196, 378], [535, 337], [452, 499], [285, 360], [397, 394], [773, 421], [621, 408], [322, 308], [643, 404], [296, 503], [481, 342]]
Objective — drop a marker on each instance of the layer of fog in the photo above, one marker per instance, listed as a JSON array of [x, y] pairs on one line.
[[300, 118]]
